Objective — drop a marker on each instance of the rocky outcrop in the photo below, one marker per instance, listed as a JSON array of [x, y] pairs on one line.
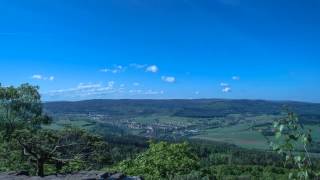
[[84, 175]]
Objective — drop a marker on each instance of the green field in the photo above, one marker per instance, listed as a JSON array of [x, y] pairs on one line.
[[238, 134], [245, 137], [165, 120]]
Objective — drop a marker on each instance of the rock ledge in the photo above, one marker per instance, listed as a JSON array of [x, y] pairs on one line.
[[83, 175]]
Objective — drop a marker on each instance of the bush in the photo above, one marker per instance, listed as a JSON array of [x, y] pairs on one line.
[[161, 161]]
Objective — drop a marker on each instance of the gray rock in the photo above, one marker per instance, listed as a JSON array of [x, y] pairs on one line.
[[133, 178], [83, 175], [22, 173], [105, 175], [117, 176]]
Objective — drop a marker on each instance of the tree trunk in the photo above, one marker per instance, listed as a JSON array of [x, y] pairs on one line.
[[59, 166], [40, 168]]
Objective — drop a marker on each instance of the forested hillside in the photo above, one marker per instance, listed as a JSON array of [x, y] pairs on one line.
[[184, 108]]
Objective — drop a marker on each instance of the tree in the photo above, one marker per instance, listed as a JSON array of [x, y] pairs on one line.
[[161, 160], [292, 142], [21, 124], [21, 108], [21, 116]]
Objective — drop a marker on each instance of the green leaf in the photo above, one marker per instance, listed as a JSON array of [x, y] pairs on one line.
[[281, 127], [297, 158], [278, 135], [290, 175]]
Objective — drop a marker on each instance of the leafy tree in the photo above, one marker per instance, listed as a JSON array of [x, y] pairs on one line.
[[21, 117], [25, 140], [291, 138], [161, 161]]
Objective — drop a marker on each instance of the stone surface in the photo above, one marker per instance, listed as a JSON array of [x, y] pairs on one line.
[[116, 176], [84, 175]]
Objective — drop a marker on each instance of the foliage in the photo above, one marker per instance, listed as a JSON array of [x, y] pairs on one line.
[[21, 119], [161, 160], [247, 172], [24, 141], [194, 175], [291, 137]]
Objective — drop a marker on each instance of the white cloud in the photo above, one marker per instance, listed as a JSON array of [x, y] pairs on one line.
[[151, 92], [138, 66], [152, 68], [145, 92], [226, 89], [99, 90], [136, 84], [37, 76], [116, 69], [224, 84], [169, 79], [135, 91], [235, 78], [111, 84], [87, 86], [41, 77], [87, 90]]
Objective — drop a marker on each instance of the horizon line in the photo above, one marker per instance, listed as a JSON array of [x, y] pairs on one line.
[[187, 99]]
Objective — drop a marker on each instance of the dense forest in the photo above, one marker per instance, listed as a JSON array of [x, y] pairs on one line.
[[28, 141]]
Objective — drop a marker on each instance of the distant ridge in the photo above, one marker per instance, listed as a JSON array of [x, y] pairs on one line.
[[196, 99], [202, 108]]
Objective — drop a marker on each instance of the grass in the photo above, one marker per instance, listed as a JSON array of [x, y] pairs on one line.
[[80, 123], [238, 134], [166, 120], [241, 135], [315, 131]]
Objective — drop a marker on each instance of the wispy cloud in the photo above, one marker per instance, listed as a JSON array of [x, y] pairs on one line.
[[151, 92], [93, 90], [152, 68], [88, 86], [224, 84], [145, 92], [226, 89], [41, 77], [136, 84], [168, 79], [236, 78], [135, 91], [115, 69], [37, 76], [138, 66], [85, 89]]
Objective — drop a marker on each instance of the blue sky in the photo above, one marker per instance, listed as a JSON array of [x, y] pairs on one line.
[[83, 49]]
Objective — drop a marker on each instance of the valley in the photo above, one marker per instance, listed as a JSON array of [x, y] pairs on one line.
[[245, 123]]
